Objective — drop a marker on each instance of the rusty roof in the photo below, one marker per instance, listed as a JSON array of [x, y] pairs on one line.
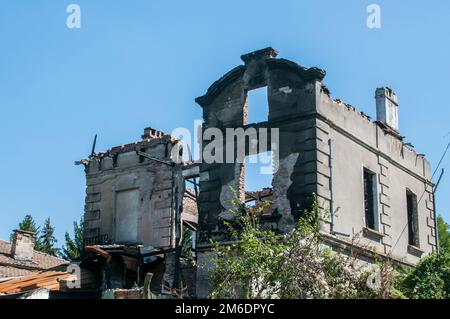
[[50, 280], [262, 200]]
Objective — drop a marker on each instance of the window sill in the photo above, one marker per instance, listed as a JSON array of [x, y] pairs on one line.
[[416, 251], [372, 234]]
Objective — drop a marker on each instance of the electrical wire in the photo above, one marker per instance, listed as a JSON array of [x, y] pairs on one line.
[[420, 199]]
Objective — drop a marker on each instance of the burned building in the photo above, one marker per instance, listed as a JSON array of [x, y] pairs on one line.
[[380, 184], [131, 209], [326, 148]]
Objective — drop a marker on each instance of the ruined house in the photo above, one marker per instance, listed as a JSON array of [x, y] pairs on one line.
[[131, 210], [380, 185]]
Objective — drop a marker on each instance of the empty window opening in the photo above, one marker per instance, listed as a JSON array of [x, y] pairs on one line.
[[258, 175], [370, 200], [413, 227], [257, 106]]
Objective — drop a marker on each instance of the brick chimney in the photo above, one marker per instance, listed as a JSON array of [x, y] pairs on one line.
[[22, 247], [150, 133], [387, 107]]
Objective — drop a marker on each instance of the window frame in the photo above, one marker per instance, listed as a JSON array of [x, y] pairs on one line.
[[375, 211], [412, 215]]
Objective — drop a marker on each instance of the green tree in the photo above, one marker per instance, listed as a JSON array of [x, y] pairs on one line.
[[73, 248], [47, 239], [430, 279], [443, 233], [28, 224]]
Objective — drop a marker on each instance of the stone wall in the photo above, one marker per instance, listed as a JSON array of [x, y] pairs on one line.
[[120, 175], [359, 143], [324, 146], [291, 94]]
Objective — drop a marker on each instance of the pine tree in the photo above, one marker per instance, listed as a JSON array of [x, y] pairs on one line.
[[47, 239], [28, 224], [73, 247]]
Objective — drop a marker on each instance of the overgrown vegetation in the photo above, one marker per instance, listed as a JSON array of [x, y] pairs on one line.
[[431, 278], [262, 264]]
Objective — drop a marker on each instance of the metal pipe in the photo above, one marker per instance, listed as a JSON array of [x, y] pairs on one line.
[[436, 230], [330, 186]]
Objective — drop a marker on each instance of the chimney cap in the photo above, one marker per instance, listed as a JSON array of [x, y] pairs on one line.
[[150, 132], [387, 92], [21, 231]]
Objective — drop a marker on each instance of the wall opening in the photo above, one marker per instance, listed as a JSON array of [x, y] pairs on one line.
[[257, 106], [370, 200], [413, 219], [258, 176]]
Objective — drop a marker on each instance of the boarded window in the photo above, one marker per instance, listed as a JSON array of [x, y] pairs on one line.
[[370, 200], [413, 227], [127, 214]]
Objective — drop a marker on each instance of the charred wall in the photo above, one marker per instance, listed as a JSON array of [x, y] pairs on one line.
[[128, 197], [291, 94]]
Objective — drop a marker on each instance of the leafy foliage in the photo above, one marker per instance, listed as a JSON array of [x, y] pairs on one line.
[[430, 279], [262, 264], [443, 233], [73, 248]]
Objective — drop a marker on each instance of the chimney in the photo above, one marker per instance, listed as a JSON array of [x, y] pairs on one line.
[[150, 133], [387, 107], [22, 247]]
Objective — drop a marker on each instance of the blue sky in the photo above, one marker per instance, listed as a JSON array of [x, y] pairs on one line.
[[141, 63]]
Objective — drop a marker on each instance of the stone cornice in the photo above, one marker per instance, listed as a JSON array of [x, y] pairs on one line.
[[306, 74], [219, 85]]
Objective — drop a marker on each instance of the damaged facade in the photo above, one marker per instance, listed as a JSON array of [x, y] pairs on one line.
[[363, 169], [131, 210]]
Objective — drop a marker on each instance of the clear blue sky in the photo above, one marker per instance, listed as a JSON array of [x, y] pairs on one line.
[[141, 63]]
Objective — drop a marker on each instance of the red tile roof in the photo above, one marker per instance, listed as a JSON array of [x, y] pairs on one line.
[[10, 267]]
